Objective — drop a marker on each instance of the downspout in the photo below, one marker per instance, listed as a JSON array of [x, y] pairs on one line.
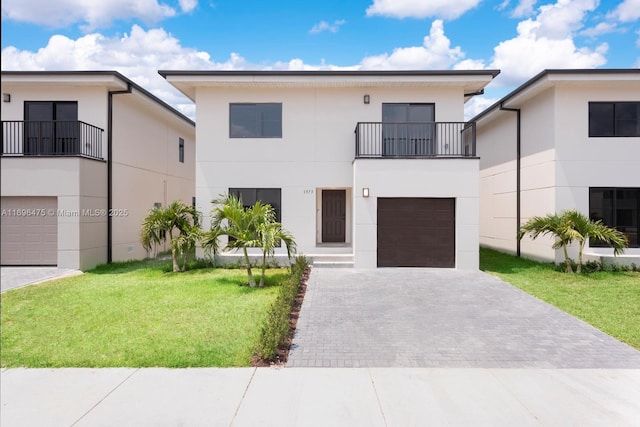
[[110, 169], [518, 155]]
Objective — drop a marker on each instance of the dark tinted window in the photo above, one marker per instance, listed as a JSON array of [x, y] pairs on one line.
[[255, 120], [618, 208], [620, 119]]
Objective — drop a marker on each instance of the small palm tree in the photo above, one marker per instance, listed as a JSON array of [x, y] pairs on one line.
[[583, 228], [177, 219], [554, 225], [270, 235], [570, 226], [230, 218], [255, 226]]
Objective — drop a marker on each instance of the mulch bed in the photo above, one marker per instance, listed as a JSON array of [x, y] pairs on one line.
[[283, 350]]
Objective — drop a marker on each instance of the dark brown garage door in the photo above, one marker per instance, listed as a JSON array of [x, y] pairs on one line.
[[416, 232]]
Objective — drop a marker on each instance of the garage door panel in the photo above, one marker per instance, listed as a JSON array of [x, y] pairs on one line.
[[416, 232], [29, 239]]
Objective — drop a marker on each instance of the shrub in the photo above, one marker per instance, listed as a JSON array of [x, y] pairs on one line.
[[277, 327]]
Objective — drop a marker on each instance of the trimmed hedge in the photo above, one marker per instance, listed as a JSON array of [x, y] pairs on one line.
[[277, 326]]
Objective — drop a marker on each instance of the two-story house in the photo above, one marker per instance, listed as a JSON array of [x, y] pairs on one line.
[[85, 155], [368, 168], [565, 139]]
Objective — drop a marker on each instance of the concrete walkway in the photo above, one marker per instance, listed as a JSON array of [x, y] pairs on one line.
[[17, 277], [441, 318], [319, 397]]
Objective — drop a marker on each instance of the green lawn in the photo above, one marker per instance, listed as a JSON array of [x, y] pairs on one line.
[[610, 301], [136, 315]]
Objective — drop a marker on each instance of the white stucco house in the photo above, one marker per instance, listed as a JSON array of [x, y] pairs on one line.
[[565, 139], [85, 155], [365, 168]]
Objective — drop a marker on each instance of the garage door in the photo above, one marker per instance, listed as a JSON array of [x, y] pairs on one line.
[[29, 231], [416, 232]]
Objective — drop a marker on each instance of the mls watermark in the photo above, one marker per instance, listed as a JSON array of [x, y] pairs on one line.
[[36, 212]]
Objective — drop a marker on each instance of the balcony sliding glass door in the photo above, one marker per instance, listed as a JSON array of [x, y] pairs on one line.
[[408, 129], [51, 128]]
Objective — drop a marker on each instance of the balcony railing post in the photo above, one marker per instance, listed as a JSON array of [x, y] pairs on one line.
[[51, 138], [415, 139]]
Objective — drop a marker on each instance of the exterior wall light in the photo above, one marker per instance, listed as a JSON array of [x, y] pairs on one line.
[[6, 97], [367, 99], [365, 192]]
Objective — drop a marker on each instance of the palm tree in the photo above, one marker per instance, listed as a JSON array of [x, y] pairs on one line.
[[255, 226], [161, 224], [583, 228], [270, 235], [570, 226], [230, 218]]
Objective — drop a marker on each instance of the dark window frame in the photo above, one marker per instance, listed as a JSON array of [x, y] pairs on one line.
[[258, 127], [615, 212], [608, 119], [53, 135], [181, 150], [277, 207]]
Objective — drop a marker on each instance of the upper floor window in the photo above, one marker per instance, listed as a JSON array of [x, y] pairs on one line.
[[181, 150], [251, 120], [616, 119]]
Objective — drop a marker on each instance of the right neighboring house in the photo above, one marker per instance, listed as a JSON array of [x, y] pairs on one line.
[[565, 139]]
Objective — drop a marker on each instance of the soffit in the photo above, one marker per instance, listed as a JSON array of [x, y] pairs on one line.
[[188, 84]]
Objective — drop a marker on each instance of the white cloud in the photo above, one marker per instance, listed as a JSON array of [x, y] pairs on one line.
[[446, 9], [600, 29], [137, 55], [188, 6], [627, 11], [524, 8], [547, 42], [89, 14], [326, 26], [435, 53], [477, 105]]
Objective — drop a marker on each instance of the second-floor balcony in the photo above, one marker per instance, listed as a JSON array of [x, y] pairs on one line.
[[415, 139], [51, 138]]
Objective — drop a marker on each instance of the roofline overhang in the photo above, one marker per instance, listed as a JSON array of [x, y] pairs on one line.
[[550, 77], [112, 80], [186, 81]]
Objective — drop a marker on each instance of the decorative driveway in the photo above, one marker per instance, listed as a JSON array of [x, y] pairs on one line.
[[411, 317]]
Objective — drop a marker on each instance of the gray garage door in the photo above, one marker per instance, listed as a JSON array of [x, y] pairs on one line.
[[29, 231], [416, 232]]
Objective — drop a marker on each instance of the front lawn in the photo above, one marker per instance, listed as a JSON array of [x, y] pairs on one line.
[[610, 301], [137, 315]]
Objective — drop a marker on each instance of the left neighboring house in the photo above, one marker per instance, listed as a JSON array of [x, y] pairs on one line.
[[85, 156]]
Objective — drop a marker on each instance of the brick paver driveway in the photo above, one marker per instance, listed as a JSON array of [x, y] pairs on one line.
[[441, 318]]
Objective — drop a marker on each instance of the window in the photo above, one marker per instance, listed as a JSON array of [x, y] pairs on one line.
[[618, 119], [618, 208], [181, 150], [249, 196], [408, 129], [51, 128], [255, 120]]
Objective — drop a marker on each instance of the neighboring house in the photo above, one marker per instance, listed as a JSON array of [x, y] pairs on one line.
[[85, 155], [365, 168], [566, 139]]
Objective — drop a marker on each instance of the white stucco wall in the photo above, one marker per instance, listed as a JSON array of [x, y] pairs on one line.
[[316, 151], [455, 178], [146, 168], [559, 161]]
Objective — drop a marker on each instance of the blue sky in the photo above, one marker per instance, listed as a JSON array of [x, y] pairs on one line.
[[138, 37]]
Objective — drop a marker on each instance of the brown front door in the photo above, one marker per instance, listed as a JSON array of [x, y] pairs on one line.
[[416, 232], [334, 212]]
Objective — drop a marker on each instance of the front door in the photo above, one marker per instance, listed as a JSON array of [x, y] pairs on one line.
[[334, 212]]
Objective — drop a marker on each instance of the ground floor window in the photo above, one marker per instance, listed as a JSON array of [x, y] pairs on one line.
[[616, 207], [270, 196]]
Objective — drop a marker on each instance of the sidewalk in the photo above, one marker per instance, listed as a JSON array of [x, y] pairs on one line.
[[319, 397]]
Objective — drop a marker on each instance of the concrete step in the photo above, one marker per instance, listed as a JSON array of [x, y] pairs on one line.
[[332, 260]]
